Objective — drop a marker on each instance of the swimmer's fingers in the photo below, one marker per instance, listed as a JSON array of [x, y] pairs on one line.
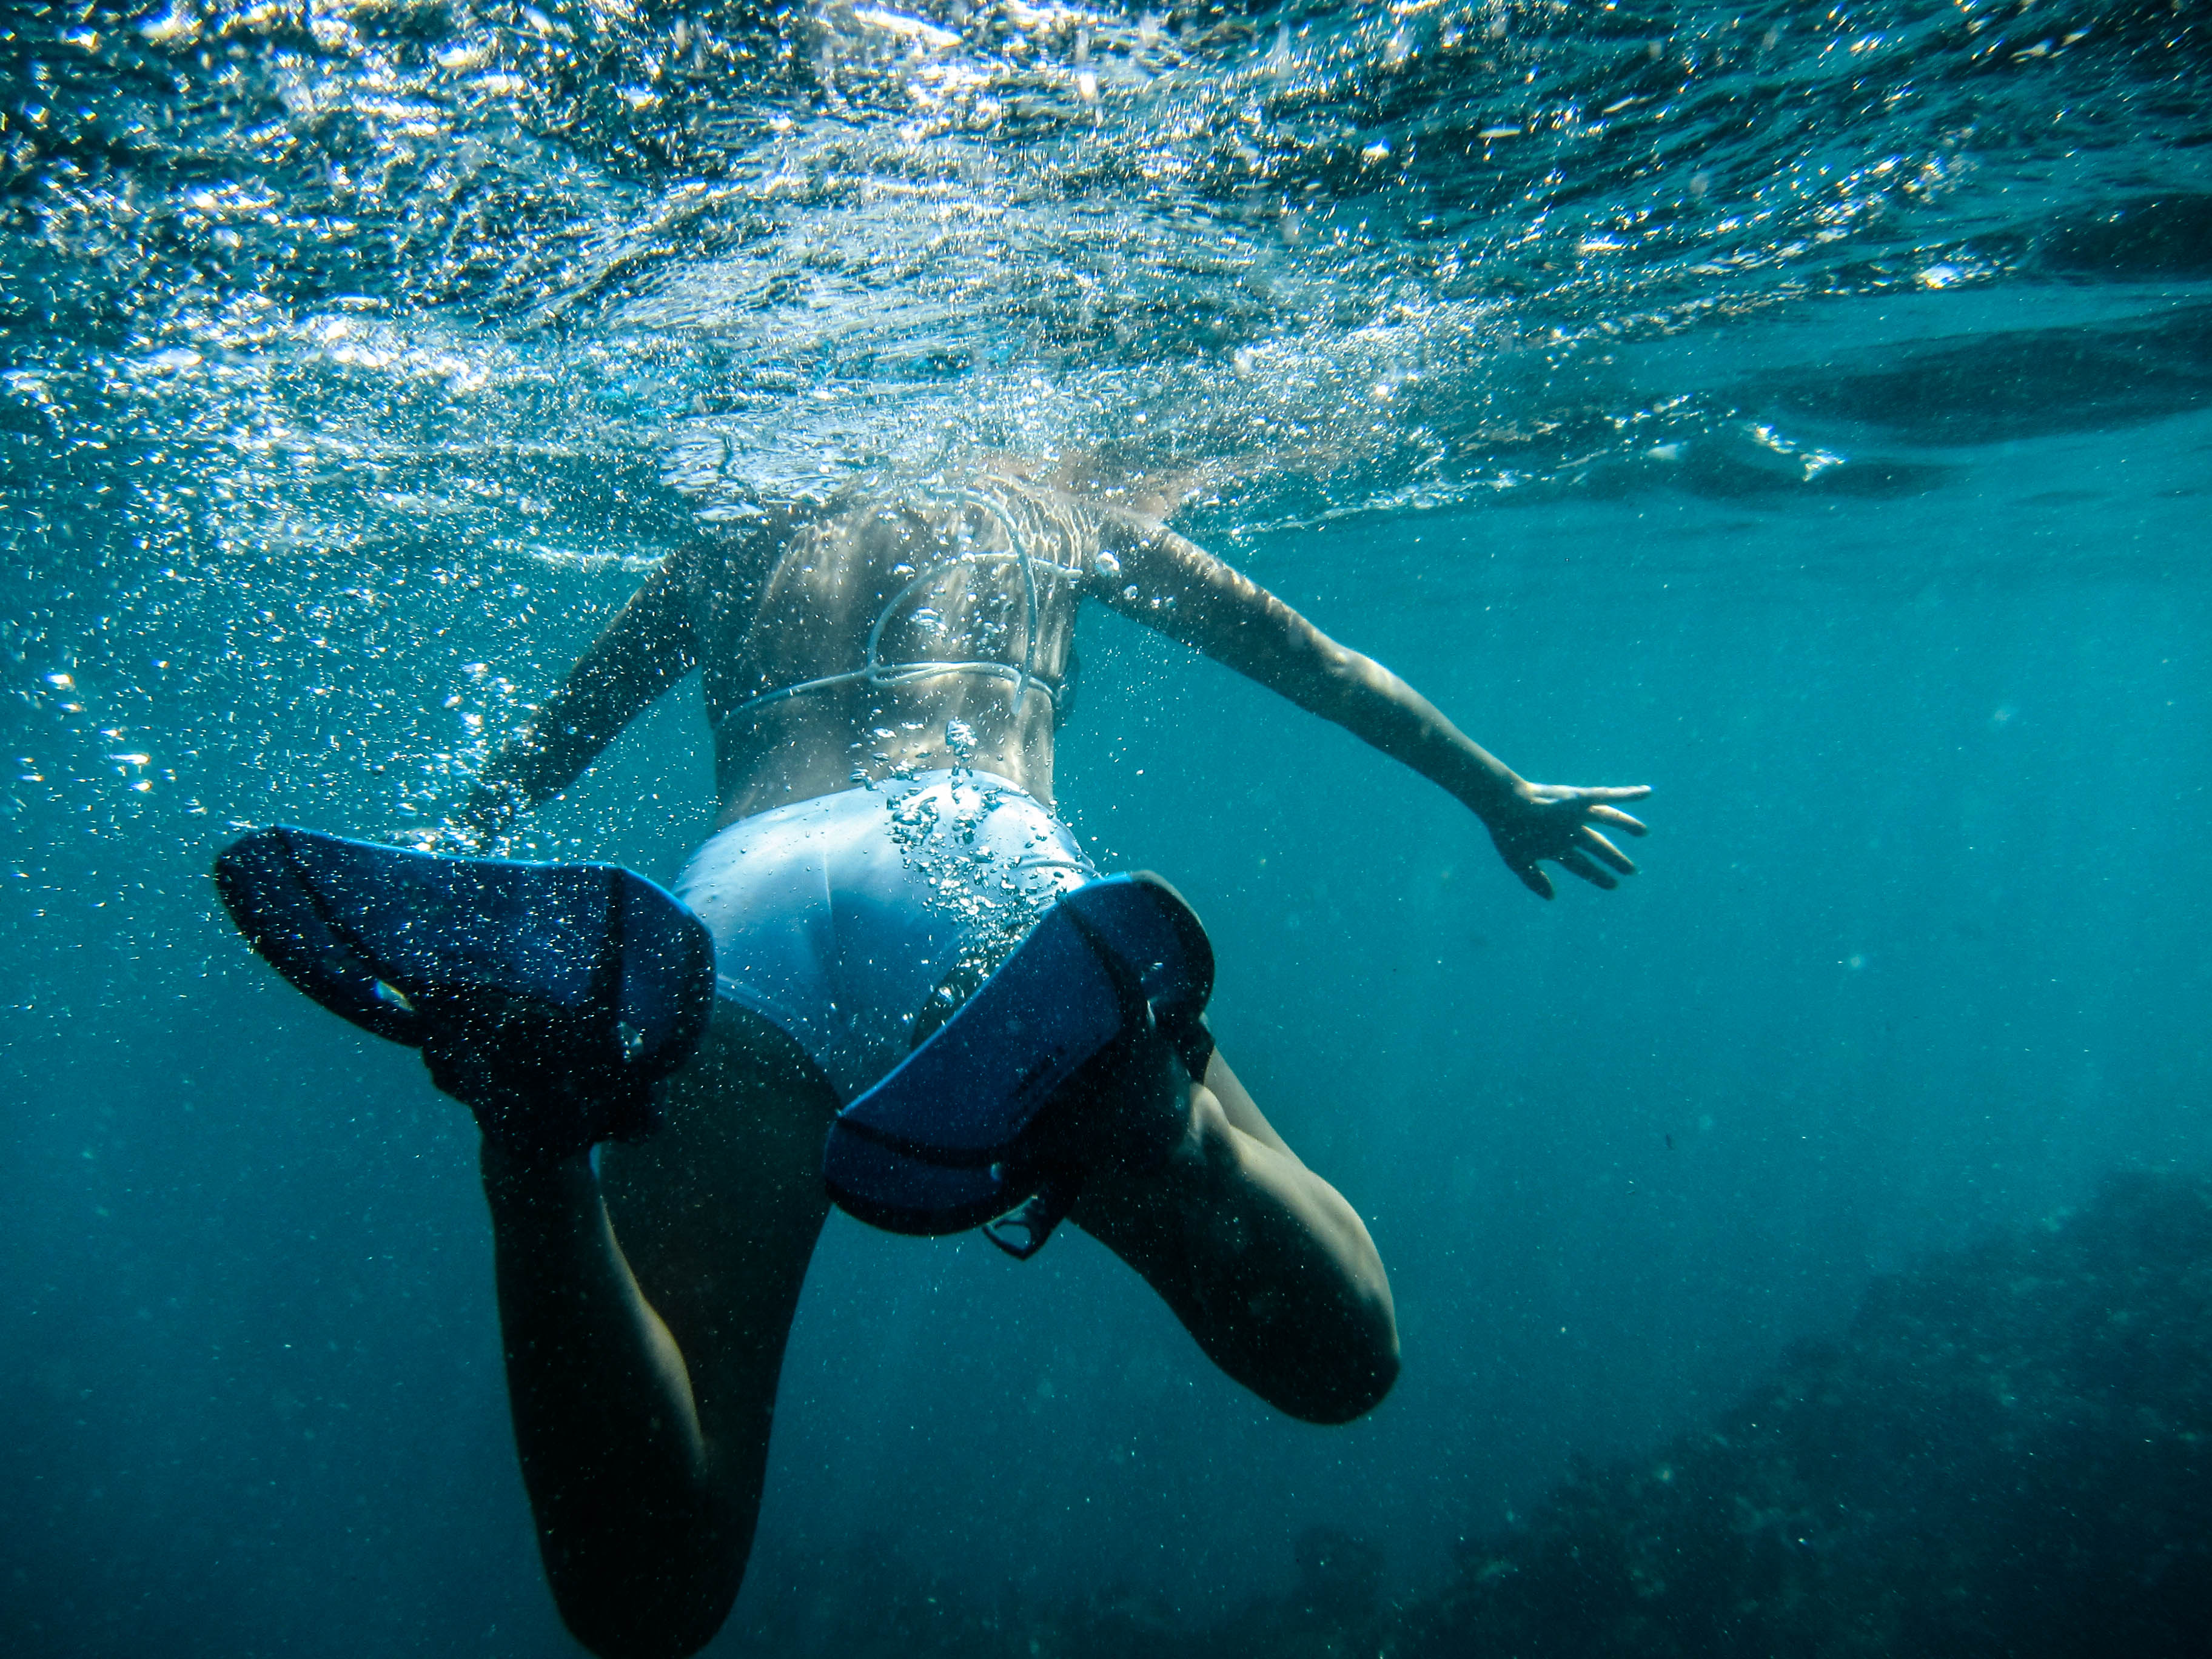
[[1558, 821], [1617, 819], [1598, 847], [1575, 862], [1594, 805], [1589, 796]]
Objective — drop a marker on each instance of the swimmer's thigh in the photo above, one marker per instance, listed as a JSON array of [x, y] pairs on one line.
[[718, 1213], [1264, 1262]]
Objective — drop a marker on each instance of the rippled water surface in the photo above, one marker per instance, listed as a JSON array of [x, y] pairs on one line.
[[1804, 409], [355, 295]]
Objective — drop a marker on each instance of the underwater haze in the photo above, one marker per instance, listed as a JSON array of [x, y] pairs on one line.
[[1806, 412]]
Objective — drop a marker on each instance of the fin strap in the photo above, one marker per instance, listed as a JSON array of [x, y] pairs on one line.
[[1036, 1216]]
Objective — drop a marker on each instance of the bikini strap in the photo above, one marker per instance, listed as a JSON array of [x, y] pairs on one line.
[[874, 671]]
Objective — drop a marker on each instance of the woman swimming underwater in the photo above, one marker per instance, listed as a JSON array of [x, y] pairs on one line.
[[886, 681]]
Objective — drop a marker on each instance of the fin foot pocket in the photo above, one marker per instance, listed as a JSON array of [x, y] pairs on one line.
[[1058, 1062], [548, 997]]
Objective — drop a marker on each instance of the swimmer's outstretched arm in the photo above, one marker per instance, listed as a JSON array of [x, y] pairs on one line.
[[1171, 584], [646, 649]]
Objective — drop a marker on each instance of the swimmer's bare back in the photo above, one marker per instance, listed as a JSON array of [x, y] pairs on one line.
[[644, 1306], [787, 604]]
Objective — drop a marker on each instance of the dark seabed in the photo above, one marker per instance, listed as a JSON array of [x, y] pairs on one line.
[[1802, 1251], [1999, 1455]]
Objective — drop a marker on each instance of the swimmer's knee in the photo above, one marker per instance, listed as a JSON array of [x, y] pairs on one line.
[[616, 1617], [643, 1630], [1351, 1382]]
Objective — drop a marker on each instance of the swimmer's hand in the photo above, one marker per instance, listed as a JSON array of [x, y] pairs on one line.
[[1558, 821], [465, 834], [447, 840], [483, 826]]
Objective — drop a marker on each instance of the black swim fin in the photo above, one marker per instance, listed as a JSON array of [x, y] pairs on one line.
[[998, 1113], [548, 997]]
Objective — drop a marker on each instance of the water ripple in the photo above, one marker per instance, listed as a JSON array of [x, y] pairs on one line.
[[1352, 255]]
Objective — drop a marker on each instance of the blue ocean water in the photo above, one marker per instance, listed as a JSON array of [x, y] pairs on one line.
[[1806, 413]]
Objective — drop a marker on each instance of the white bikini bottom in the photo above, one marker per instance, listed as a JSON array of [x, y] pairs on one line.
[[837, 917]]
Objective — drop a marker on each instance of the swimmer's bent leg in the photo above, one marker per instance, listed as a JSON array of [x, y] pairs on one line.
[[1264, 1262], [642, 1373]]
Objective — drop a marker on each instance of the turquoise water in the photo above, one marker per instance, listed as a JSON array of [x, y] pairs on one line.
[[1807, 413]]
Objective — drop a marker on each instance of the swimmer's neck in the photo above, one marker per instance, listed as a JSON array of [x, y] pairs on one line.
[[795, 751]]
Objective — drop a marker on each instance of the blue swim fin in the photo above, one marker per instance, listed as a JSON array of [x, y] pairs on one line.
[[548, 997], [978, 1121]]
